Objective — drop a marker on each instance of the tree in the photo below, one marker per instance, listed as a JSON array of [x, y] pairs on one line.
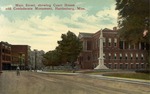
[[51, 58], [133, 20], [69, 48]]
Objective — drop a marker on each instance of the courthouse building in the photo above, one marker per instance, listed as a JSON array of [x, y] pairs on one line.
[[118, 54]]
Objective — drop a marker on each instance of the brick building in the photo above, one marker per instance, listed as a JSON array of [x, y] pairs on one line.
[[118, 54], [5, 56], [20, 56], [13, 55]]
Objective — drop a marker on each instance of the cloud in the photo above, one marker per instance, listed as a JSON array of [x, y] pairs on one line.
[[43, 33], [108, 14]]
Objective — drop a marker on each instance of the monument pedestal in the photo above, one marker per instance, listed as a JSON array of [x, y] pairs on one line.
[[101, 67]]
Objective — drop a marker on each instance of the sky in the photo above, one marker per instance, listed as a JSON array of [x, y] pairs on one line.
[[43, 26]]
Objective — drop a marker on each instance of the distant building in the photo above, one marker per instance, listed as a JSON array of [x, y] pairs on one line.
[[118, 54], [36, 59]]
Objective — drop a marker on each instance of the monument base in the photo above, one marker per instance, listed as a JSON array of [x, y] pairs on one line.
[[101, 67]]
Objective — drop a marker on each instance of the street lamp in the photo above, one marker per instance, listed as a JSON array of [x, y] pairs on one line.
[[21, 59]]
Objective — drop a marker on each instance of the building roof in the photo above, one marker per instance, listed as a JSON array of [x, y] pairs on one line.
[[85, 35]]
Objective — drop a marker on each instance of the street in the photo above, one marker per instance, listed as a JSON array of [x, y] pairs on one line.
[[39, 83]]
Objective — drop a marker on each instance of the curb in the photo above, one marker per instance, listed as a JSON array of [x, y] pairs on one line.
[[58, 73]]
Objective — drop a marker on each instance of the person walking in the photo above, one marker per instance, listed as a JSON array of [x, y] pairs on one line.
[[18, 71]]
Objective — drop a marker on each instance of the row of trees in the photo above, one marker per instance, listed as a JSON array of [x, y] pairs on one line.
[[67, 51]]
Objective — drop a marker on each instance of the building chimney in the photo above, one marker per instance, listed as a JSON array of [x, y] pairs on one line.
[[114, 28]]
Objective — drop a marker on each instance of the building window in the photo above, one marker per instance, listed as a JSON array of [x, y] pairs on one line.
[[142, 66], [126, 45], [115, 66], [133, 46], [132, 66], [142, 57], [115, 42], [126, 66], [115, 56], [137, 66], [147, 46], [103, 55], [142, 45], [104, 41], [3, 57], [129, 46], [3, 50], [121, 44], [131, 56], [84, 45], [109, 55], [89, 45], [120, 56], [136, 56], [121, 66], [126, 56], [139, 46], [88, 58], [109, 42], [94, 56], [109, 66]]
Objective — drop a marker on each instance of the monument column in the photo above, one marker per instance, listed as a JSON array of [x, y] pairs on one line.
[[101, 58]]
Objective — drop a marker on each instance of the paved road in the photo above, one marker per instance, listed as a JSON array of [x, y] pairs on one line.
[[37, 83]]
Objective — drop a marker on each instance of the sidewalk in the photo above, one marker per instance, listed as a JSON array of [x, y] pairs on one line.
[[128, 80]]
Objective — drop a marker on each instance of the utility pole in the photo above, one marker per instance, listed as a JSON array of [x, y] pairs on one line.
[[20, 61], [35, 59]]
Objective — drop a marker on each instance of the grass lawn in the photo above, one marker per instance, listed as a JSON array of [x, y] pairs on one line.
[[130, 75]]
